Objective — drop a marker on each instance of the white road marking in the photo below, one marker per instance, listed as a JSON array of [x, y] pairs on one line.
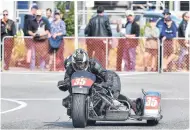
[[58, 99], [22, 105]]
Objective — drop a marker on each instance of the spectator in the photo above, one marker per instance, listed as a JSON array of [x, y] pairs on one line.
[[151, 47], [7, 29], [39, 29], [183, 43], [161, 23], [127, 49], [29, 17], [30, 52], [58, 30], [187, 31], [98, 29], [49, 15], [167, 35]]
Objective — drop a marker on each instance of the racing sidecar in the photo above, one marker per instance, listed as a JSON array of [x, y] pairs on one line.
[[91, 102]]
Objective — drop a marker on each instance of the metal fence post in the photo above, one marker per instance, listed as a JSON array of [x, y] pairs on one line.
[[161, 57], [3, 55], [54, 60], [107, 42]]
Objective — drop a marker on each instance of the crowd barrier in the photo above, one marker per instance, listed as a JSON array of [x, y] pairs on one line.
[[123, 54], [119, 54], [176, 55], [23, 53]]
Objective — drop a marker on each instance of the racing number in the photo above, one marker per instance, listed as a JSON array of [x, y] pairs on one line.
[[80, 81], [152, 102]]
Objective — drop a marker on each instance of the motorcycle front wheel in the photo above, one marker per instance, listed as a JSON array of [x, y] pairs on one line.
[[79, 110]]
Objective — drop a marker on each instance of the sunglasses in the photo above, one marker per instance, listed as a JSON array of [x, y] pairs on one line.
[[187, 16], [5, 14], [166, 14], [38, 15]]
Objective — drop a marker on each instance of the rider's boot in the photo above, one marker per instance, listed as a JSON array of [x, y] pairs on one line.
[[138, 106], [66, 102]]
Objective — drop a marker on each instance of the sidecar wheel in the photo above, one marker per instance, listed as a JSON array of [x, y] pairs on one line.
[[152, 122]]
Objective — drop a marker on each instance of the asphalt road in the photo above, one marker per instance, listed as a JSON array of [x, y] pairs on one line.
[[32, 101]]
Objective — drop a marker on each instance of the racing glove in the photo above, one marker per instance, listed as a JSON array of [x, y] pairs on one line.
[[62, 85]]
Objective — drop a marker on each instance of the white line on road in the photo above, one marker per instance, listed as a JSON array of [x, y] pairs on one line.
[[22, 105], [58, 99]]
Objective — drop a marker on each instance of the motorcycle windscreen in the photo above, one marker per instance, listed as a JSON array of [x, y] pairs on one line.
[[82, 79]]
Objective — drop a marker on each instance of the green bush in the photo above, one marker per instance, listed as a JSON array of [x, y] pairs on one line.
[[142, 30], [68, 17]]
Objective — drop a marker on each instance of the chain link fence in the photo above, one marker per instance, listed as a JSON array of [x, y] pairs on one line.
[[118, 54], [176, 55], [23, 54], [123, 54]]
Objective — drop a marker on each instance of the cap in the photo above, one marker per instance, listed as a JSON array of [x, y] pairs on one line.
[[168, 18], [166, 11], [39, 12], [57, 11], [153, 19], [34, 7], [129, 12]]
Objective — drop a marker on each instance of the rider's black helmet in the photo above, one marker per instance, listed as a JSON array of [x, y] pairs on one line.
[[80, 60]]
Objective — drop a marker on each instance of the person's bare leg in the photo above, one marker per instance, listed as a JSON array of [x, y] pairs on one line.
[[168, 60], [146, 59], [153, 63]]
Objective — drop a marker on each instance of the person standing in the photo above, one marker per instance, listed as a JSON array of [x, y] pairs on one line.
[[98, 26], [167, 35], [151, 46], [58, 30], [127, 49], [39, 29], [184, 44], [7, 29]]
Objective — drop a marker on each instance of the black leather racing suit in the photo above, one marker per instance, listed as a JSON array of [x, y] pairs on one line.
[[111, 79]]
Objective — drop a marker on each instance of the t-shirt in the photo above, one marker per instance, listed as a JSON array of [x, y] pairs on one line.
[[128, 28]]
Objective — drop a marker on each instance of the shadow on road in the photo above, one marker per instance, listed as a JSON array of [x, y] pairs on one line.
[[70, 125]]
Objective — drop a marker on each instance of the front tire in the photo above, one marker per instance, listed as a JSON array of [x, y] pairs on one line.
[[79, 111]]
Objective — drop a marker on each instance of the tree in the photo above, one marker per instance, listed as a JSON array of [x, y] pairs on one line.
[[68, 17]]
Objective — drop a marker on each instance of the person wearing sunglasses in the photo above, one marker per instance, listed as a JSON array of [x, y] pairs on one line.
[[7, 26], [7, 29], [162, 21]]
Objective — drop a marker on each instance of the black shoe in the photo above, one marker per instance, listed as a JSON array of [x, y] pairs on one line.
[[66, 102]]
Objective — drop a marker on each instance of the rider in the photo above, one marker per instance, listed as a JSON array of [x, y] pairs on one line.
[[79, 60]]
